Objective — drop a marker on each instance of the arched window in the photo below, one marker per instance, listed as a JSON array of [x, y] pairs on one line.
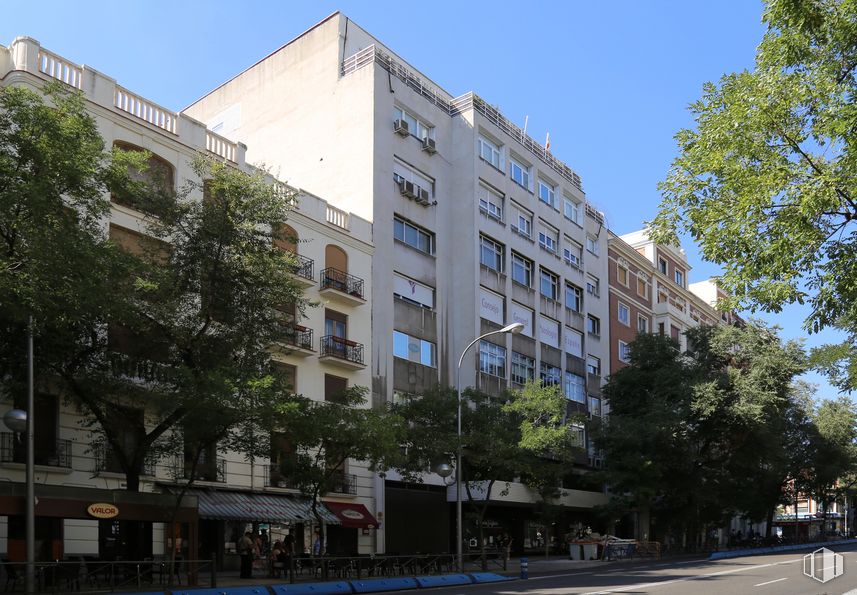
[[335, 258], [285, 238], [159, 173]]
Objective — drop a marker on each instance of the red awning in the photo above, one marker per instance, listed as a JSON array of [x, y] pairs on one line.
[[355, 516]]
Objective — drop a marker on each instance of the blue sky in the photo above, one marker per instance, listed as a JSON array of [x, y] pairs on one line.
[[610, 81]]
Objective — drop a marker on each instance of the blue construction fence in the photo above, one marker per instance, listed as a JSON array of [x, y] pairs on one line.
[[775, 549]]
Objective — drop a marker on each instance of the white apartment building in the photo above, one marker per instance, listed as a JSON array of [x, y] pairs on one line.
[[475, 225], [330, 350]]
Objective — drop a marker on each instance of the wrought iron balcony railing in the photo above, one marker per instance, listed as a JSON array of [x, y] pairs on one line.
[[205, 470], [343, 349], [344, 483], [335, 279], [56, 453], [275, 477], [107, 461], [297, 336], [304, 267]]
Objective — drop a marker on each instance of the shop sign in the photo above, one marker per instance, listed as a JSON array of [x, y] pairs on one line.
[[101, 510], [352, 514]]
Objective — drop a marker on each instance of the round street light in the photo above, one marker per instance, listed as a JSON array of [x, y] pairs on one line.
[[16, 420]]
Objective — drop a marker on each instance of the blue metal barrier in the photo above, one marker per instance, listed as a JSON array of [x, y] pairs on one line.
[[491, 577], [257, 590], [334, 588], [445, 580], [384, 584]]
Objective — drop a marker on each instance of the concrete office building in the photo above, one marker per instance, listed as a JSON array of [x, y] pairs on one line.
[[328, 350], [475, 224]]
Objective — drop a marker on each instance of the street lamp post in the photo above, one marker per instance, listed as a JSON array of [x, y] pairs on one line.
[[513, 328], [22, 422]]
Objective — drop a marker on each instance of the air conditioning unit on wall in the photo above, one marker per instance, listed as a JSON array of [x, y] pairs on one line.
[[401, 128], [408, 189], [429, 145]]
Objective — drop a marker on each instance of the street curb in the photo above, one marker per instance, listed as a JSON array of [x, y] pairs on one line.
[[775, 549]]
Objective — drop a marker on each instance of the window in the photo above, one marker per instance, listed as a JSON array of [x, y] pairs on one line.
[[492, 359], [622, 273], [593, 285], [642, 285], [413, 236], [679, 277], [572, 210], [335, 324], [624, 314], [549, 285], [159, 174], [661, 329], [593, 325], [414, 349], [412, 291], [522, 270], [624, 352], [578, 435], [523, 368], [594, 405], [548, 238], [403, 173], [491, 254], [490, 152], [334, 387], [593, 365], [520, 173], [547, 193], [416, 127], [662, 265], [575, 387], [572, 253], [491, 203], [550, 375], [642, 324], [592, 245], [522, 222], [573, 297]]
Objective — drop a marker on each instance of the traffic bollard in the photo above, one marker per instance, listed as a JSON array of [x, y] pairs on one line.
[[525, 566]]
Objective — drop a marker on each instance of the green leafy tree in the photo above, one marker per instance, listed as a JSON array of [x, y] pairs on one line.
[[325, 435], [766, 182]]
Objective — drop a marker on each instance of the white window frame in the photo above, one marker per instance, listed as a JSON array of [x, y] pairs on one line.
[[524, 173], [624, 352], [550, 372], [593, 285], [523, 223], [525, 264], [552, 280], [423, 346], [623, 314], [496, 249], [492, 359], [548, 239], [679, 277], [547, 193], [572, 210], [403, 172], [642, 323], [662, 265], [572, 253], [491, 203], [593, 325], [522, 363], [577, 292], [595, 405], [417, 127], [622, 267], [592, 245], [421, 233], [494, 151], [574, 387], [593, 365]]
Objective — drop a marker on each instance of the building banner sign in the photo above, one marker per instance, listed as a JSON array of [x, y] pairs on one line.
[[549, 331], [573, 342], [491, 307], [102, 510], [523, 315]]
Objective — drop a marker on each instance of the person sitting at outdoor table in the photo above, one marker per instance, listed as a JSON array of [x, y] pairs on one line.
[[277, 565]]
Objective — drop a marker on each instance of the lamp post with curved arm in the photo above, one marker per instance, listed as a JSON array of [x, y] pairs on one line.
[[513, 328]]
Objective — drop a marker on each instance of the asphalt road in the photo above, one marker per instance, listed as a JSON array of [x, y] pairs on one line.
[[780, 574]]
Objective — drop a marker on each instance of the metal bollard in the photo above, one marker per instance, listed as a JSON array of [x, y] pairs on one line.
[[525, 567]]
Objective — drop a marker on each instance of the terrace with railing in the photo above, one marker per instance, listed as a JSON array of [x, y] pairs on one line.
[[27, 55], [53, 453], [453, 107]]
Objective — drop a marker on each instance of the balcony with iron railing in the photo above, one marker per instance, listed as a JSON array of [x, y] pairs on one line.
[[54, 453], [276, 477], [303, 269], [342, 352], [107, 461], [341, 286], [343, 483], [297, 339], [210, 470]]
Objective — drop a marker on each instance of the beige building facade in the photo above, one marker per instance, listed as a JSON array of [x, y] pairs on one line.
[[328, 350]]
